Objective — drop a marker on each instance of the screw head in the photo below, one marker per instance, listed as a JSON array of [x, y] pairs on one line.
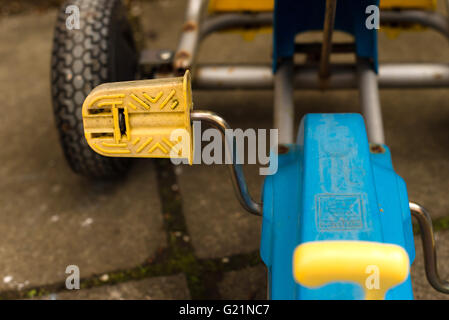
[[376, 148]]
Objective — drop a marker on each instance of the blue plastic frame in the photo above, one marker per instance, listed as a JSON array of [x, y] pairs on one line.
[[330, 186], [295, 16]]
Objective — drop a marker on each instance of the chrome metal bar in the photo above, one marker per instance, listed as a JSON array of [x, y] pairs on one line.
[[192, 34], [235, 20], [429, 248], [284, 109], [233, 77], [343, 76], [188, 44], [225, 21], [418, 75], [370, 101], [429, 19], [326, 49], [236, 170]]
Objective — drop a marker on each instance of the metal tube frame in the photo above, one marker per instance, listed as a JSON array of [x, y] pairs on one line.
[[428, 241], [235, 20], [370, 101], [188, 44], [343, 76], [195, 30], [340, 76], [308, 77], [284, 108], [236, 170], [432, 20], [408, 75]]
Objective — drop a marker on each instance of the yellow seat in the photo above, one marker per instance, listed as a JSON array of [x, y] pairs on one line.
[[376, 267]]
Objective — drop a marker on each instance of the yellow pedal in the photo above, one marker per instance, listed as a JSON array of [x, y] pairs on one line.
[[376, 267], [140, 118]]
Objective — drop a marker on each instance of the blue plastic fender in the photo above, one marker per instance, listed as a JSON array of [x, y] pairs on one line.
[[330, 186]]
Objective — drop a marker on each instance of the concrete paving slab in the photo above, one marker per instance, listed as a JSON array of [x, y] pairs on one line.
[[50, 217], [246, 284], [216, 222], [160, 288], [421, 288]]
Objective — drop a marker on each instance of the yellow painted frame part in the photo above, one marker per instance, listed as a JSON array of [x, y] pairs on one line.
[[217, 6], [240, 5], [151, 110], [322, 262], [409, 4], [268, 5]]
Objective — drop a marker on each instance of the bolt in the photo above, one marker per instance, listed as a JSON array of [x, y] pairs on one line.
[[376, 148], [282, 149]]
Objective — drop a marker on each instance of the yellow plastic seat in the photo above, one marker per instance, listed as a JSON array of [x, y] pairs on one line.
[[376, 267]]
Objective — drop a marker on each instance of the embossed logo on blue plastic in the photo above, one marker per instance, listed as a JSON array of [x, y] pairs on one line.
[[339, 212]]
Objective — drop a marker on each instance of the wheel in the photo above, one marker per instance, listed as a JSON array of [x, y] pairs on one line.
[[101, 50]]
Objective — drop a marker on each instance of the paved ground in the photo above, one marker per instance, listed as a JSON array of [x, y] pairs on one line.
[[166, 233]]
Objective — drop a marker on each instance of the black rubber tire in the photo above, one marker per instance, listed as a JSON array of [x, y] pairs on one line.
[[102, 50]]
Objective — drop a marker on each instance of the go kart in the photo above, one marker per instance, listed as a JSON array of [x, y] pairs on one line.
[[336, 218]]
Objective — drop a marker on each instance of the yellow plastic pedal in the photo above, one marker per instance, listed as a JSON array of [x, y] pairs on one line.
[[138, 118], [376, 267]]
